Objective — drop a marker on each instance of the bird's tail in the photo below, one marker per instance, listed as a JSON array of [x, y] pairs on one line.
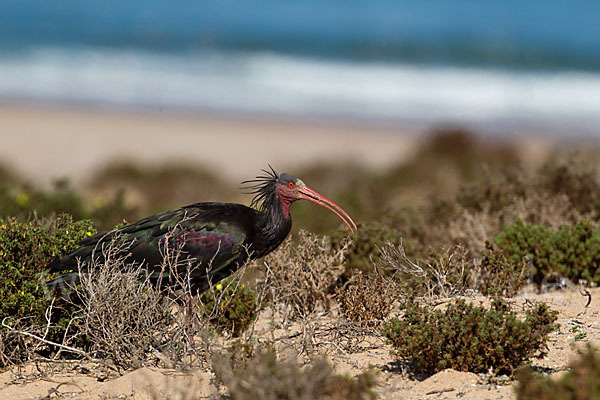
[[65, 271]]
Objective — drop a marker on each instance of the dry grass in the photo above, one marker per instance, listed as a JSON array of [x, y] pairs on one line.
[[367, 300], [444, 274], [124, 317], [18, 341], [471, 228], [300, 276], [301, 282], [266, 377]]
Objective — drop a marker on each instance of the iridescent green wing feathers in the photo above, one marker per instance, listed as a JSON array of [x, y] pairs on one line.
[[214, 237]]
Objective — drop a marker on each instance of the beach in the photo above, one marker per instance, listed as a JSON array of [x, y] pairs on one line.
[[46, 142]]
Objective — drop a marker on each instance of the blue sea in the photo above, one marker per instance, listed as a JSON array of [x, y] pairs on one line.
[[497, 65]]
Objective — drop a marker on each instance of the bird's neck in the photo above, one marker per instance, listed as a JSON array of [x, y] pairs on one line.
[[284, 202], [275, 224]]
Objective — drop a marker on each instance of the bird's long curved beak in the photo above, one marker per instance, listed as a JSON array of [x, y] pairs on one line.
[[310, 195]]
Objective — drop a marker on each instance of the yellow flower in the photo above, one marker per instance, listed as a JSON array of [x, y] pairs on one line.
[[88, 233], [219, 286], [243, 286]]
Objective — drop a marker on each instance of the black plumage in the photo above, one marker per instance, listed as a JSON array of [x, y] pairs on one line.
[[216, 237]]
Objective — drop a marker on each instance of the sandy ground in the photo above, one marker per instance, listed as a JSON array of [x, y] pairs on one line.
[[47, 142], [88, 381]]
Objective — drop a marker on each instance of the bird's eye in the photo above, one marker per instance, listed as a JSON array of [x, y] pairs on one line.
[[291, 184]]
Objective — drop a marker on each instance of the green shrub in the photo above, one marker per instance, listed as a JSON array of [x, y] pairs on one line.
[[465, 337], [499, 275], [572, 251], [581, 382], [25, 250], [230, 306], [552, 196], [266, 377]]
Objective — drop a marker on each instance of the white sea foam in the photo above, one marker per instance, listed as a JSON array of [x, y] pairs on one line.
[[258, 82]]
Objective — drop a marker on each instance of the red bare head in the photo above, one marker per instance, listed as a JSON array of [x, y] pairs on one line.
[[289, 189]]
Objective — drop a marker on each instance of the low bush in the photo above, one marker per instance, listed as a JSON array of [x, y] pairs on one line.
[[440, 274], [499, 275], [367, 300], [551, 196], [493, 194], [230, 306], [363, 251], [266, 377], [579, 383], [466, 337], [301, 274], [572, 251], [26, 248], [579, 184], [121, 315]]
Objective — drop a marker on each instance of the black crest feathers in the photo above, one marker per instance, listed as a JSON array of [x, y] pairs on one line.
[[262, 187]]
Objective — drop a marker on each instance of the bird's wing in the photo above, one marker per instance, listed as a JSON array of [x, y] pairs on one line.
[[214, 237], [96, 244]]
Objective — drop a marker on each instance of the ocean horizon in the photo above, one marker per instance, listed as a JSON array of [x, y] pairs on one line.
[[508, 66]]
